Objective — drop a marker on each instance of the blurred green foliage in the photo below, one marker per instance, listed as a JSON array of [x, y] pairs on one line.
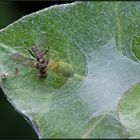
[[9, 12]]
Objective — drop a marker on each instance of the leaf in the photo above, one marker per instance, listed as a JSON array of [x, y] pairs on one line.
[[135, 47], [129, 111], [91, 42], [105, 126]]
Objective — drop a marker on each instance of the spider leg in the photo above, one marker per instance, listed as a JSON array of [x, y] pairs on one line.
[[31, 53], [46, 51]]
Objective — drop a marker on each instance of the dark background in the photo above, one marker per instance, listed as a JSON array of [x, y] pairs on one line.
[[12, 124]]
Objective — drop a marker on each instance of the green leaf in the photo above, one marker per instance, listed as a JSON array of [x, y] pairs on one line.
[[129, 111], [86, 42], [105, 126], [135, 47]]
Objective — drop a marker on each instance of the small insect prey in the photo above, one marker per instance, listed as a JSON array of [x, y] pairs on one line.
[[4, 75], [16, 71], [41, 63]]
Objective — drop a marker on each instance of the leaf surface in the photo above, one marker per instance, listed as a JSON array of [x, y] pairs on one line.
[[95, 39], [129, 112]]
